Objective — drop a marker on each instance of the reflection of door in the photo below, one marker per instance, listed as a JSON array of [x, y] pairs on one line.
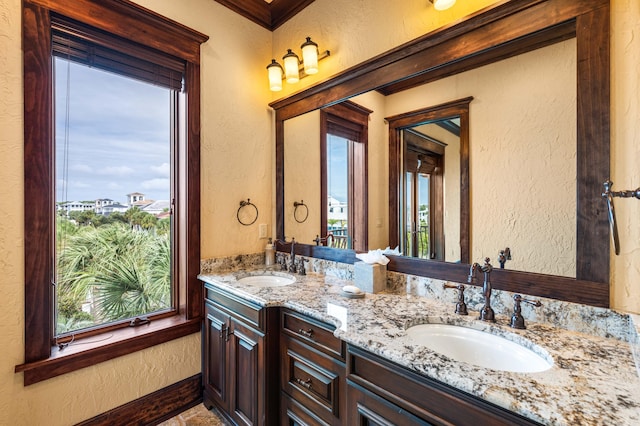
[[422, 196]]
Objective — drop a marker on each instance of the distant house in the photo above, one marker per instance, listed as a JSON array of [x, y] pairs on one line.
[[101, 203], [114, 207], [337, 209], [75, 206], [136, 199], [157, 207]]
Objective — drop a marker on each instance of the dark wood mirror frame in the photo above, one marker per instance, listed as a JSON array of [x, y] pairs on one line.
[[500, 31]]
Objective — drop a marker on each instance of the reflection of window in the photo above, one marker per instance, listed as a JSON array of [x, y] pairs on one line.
[[344, 133], [126, 56]]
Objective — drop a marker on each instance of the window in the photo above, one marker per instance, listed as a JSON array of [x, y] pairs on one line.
[[111, 266], [343, 140], [57, 37]]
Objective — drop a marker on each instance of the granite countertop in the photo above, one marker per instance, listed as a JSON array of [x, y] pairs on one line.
[[593, 380]]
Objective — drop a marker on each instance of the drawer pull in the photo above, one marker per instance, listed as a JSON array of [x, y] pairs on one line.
[[307, 333], [305, 383]]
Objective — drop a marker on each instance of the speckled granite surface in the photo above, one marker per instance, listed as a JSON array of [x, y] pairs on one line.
[[593, 380]]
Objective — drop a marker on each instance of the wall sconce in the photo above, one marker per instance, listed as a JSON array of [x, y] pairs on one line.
[[295, 69], [442, 4]]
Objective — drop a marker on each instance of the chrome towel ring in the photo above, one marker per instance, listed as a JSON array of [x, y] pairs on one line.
[[244, 204]]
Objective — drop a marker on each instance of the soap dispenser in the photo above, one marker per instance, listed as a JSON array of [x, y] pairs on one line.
[[269, 254]]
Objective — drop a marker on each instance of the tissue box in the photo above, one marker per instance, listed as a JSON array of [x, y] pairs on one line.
[[370, 277]]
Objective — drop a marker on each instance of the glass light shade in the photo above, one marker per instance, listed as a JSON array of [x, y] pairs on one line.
[[442, 4], [275, 76], [291, 67], [310, 56]]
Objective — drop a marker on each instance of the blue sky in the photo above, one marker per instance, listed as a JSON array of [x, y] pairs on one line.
[[118, 136], [337, 167]]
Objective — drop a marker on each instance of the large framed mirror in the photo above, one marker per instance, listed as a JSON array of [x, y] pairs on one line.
[[506, 30]]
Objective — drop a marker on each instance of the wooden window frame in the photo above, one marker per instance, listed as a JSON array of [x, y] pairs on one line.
[[351, 121], [126, 20]]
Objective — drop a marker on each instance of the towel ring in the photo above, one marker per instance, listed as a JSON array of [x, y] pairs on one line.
[[244, 204], [295, 210]]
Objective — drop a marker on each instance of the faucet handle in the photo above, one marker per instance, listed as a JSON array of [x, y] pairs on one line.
[[281, 260], [461, 306], [301, 268], [517, 320]]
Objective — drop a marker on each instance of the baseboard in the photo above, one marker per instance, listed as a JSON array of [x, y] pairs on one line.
[[155, 407]]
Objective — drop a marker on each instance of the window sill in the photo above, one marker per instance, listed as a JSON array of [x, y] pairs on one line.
[[95, 349]]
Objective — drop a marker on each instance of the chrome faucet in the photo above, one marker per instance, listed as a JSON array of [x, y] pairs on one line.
[[486, 313]]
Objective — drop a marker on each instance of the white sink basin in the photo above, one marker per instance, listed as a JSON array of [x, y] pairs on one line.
[[478, 348], [268, 280]]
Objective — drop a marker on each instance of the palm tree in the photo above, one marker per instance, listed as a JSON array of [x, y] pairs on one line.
[[122, 272]]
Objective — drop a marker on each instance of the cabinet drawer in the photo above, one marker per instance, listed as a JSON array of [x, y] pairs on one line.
[[295, 414], [428, 399], [312, 378], [315, 333], [250, 312]]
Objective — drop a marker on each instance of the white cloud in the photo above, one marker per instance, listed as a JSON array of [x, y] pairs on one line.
[[156, 184], [116, 171], [162, 170], [81, 168]]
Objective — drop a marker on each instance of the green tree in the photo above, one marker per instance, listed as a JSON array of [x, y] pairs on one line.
[[120, 271]]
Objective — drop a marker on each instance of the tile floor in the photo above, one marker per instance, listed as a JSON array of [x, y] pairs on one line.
[[196, 416]]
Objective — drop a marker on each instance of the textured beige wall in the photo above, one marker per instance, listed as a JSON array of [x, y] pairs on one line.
[[237, 163]]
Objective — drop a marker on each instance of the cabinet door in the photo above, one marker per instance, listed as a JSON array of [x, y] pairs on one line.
[[214, 356], [247, 390]]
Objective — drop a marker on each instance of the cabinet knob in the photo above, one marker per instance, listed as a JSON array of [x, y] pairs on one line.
[[307, 333]]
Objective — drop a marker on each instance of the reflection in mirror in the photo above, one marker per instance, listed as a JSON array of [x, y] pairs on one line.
[[428, 181], [302, 177], [344, 187], [309, 168], [430, 151]]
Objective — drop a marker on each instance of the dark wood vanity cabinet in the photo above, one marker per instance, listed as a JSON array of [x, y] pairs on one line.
[[268, 366], [239, 358], [380, 392], [312, 372]]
